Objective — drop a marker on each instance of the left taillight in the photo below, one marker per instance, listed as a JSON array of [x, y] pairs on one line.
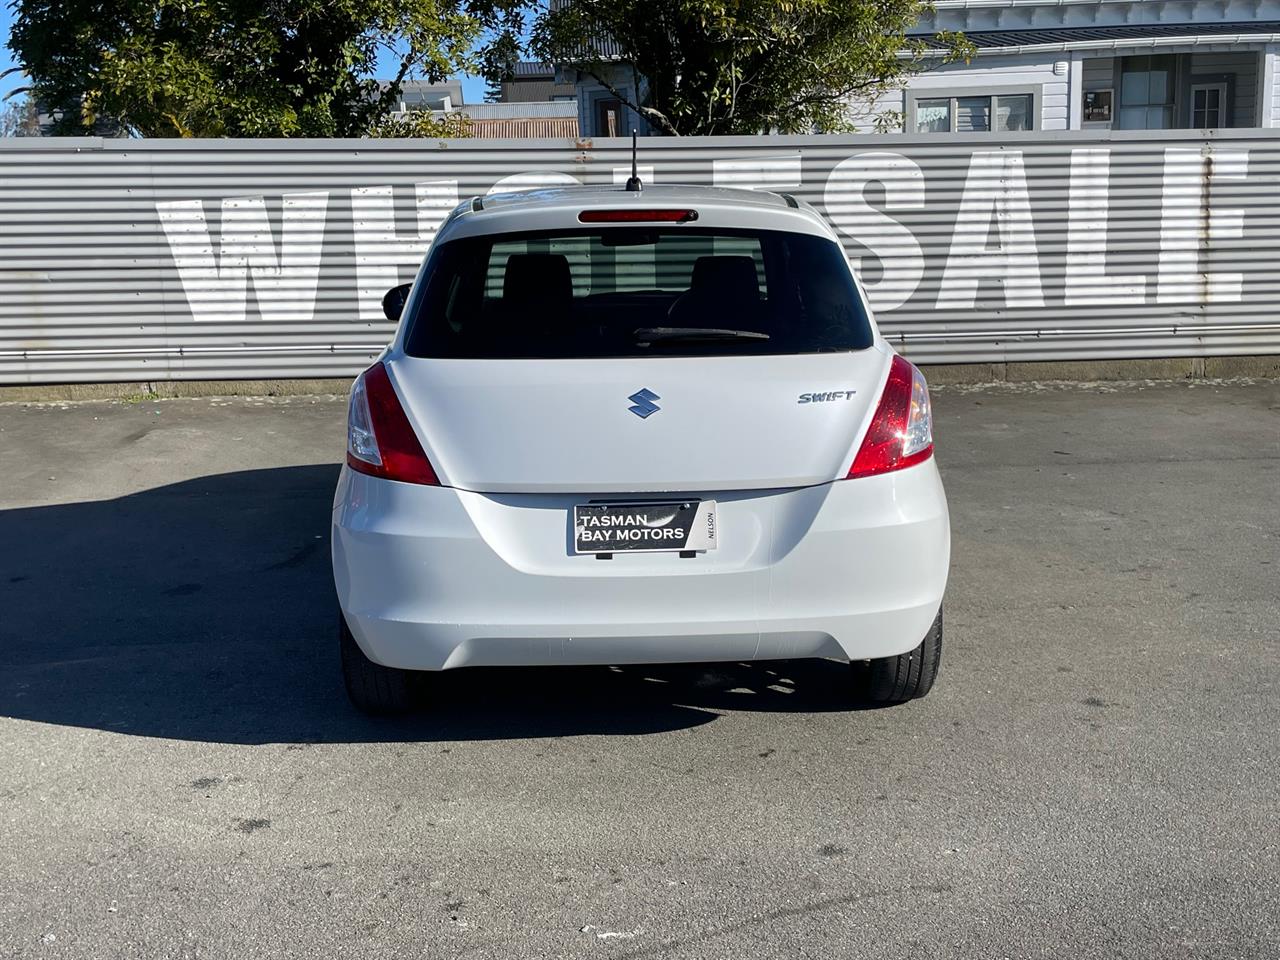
[[901, 431], [380, 440]]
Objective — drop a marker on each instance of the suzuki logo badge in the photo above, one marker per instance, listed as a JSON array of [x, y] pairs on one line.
[[644, 405]]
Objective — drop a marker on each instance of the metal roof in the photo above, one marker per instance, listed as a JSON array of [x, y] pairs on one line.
[[525, 128], [601, 46], [988, 39], [522, 110], [530, 69]]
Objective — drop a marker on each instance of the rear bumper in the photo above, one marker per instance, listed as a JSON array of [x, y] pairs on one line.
[[432, 578]]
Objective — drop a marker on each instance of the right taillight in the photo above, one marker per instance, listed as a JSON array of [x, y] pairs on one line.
[[901, 432], [380, 439]]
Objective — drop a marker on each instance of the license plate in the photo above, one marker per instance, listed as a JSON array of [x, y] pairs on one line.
[[647, 526]]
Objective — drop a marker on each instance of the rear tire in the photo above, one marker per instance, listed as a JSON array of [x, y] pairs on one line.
[[374, 689], [887, 681]]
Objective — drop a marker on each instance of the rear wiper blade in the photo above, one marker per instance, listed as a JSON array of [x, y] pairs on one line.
[[656, 334]]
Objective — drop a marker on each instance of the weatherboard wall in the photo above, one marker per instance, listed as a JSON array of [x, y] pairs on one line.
[[146, 260], [1044, 75]]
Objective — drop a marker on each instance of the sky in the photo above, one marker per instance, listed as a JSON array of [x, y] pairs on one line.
[[472, 87], [6, 56]]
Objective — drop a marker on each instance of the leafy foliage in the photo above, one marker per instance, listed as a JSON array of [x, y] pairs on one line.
[[266, 68], [275, 68], [497, 56], [420, 123], [742, 66], [19, 118]]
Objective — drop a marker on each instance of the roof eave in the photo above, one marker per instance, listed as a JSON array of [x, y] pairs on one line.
[[1115, 44]]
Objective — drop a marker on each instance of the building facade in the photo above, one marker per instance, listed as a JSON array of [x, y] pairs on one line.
[[1049, 65], [534, 82], [1093, 65], [437, 98], [602, 107], [521, 118], [535, 118]]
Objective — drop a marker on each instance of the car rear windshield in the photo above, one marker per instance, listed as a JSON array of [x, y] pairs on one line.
[[635, 291]]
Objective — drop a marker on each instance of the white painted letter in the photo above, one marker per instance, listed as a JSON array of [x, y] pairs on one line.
[[1086, 281], [1178, 279], [622, 174], [757, 173], [1187, 185], [380, 251], [217, 287], [901, 261], [1226, 224], [996, 186]]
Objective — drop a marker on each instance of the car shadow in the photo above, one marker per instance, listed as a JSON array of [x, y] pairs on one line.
[[204, 611]]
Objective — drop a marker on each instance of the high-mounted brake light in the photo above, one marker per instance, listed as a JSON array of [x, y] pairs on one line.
[[901, 432], [637, 216], [380, 440]]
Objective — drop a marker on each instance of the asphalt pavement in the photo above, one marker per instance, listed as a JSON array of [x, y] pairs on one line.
[[1095, 774]]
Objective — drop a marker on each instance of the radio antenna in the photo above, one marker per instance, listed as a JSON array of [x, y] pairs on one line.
[[633, 184]]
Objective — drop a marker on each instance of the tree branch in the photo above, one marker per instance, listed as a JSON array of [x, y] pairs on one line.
[[648, 113], [834, 95]]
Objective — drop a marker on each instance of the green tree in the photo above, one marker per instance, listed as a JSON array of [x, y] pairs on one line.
[[420, 123], [19, 118], [744, 66], [267, 68], [497, 57]]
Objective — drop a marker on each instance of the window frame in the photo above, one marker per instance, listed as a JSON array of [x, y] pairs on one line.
[[993, 93], [598, 108], [1211, 81], [1173, 104], [590, 102]]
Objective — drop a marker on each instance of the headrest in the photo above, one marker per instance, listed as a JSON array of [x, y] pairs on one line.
[[537, 278], [731, 277]]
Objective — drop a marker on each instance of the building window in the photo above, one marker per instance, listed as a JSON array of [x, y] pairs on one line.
[[1146, 92], [976, 114], [1208, 105], [933, 116], [1097, 106], [973, 114], [609, 118], [1014, 113]]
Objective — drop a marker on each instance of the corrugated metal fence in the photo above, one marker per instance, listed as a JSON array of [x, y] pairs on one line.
[[145, 260]]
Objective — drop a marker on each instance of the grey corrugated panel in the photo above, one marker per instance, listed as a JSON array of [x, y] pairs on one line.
[[521, 110], [90, 289], [526, 127]]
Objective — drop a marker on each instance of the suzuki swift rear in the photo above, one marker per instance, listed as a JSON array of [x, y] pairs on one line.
[[634, 427]]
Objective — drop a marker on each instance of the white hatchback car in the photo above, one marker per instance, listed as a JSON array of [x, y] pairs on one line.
[[621, 427]]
